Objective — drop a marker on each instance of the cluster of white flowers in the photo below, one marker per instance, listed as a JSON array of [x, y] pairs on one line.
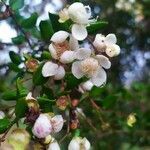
[[65, 49]]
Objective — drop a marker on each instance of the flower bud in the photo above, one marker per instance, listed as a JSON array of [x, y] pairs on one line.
[[19, 139], [62, 102], [131, 120], [2, 115], [74, 124], [74, 102], [42, 126], [57, 123], [48, 139], [53, 146], [31, 65], [78, 143]]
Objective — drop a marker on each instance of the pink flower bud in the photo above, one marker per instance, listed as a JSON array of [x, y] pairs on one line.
[[57, 123], [42, 127]]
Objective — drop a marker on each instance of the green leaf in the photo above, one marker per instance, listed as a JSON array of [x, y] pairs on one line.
[[30, 22], [38, 78], [21, 90], [45, 55], [18, 39], [16, 4], [46, 30], [4, 125], [48, 92], [58, 26], [72, 81], [9, 95], [45, 104], [96, 27], [14, 67], [97, 92], [21, 108], [15, 58]]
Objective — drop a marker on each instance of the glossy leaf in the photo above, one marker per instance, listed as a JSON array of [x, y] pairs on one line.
[[18, 39], [9, 95], [16, 4], [15, 58], [4, 125], [93, 28], [30, 22], [21, 108], [38, 78], [46, 30]]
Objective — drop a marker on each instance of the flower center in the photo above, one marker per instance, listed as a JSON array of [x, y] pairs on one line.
[[61, 48], [89, 66]]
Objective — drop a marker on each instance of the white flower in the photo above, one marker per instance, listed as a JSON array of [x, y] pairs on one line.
[[63, 15], [92, 67], [57, 123], [42, 127], [86, 86], [51, 69], [53, 145], [61, 49], [2, 115], [78, 143], [79, 14], [107, 44]]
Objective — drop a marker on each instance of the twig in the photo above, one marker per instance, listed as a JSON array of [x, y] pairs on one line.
[[8, 9]]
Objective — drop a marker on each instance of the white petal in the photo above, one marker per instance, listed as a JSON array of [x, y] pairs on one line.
[[103, 61], [67, 57], [74, 144], [87, 86], [74, 45], [113, 50], [29, 96], [83, 53], [79, 32], [99, 78], [59, 37], [49, 69], [60, 73], [53, 51], [2, 114], [86, 143], [78, 13], [111, 39], [53, 146], [57, 123], [76, 70]]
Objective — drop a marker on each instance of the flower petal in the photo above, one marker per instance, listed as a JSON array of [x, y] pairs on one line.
[[79, 32], [74, 45], [111, 39], [59, 36], [76, 70], [60, 73], [67, 57], [87, 86], [99, 78], [53, 51], [83, 53], [103, 61], [49, 69], [74, 144], [113, 50], [54, 146]]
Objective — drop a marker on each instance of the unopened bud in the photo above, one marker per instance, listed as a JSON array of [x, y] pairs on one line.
[[19, 139], [31, 65], [53, 145], [74, 124], [42, 127], [62, 102], [57, 123], [48, 139], [78, 143], [74, 102]]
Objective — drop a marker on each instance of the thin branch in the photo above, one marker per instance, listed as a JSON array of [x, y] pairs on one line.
[[9, 10]]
